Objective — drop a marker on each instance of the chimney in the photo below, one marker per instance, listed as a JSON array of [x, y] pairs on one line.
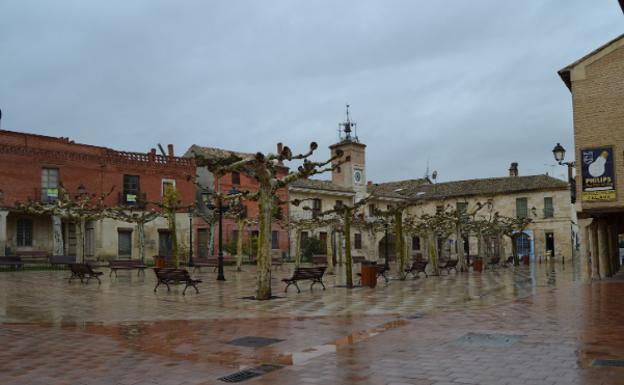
[[370, 183], [170, 150], [513, 170], [152, 155]]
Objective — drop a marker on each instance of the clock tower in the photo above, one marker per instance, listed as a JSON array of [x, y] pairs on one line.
[[350, 174]]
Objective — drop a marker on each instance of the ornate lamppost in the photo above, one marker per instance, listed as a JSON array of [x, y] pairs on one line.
[[559, 154], [221, 209]]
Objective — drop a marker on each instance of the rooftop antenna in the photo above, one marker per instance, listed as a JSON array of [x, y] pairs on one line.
[[0, 119], [427, 170], [162, 150]]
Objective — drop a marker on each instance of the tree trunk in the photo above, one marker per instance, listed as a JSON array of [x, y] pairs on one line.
[[433, 253], [461, 257], [297, 247], [174, 238], [240, 226], [57, 236], [514, 249], [80, 240], [263, 274], [211, 234], [398, 246], [330, 258], [501, 247], [141, 231], [339, 247], [348, 261]]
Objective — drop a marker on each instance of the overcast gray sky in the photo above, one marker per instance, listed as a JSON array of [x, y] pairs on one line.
[[471, 85]]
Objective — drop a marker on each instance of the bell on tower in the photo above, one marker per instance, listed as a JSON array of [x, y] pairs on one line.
[[347, 128]]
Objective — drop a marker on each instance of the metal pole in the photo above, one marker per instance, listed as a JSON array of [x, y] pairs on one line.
[[387, 265], [220, 276], [191, 240]]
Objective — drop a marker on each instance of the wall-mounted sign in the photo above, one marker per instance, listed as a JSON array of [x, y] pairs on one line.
[[598, 174]]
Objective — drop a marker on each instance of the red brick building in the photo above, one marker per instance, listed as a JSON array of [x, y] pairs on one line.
[[32, 167]]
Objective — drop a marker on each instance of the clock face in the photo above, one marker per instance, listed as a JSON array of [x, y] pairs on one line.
[[357, 176]]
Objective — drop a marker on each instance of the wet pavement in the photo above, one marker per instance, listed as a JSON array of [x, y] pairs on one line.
[[537, 325]]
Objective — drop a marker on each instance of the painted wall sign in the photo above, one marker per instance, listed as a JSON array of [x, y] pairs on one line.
[[598, 174]]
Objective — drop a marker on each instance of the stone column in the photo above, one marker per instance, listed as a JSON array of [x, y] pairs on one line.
[[593, 244], [603, 249], [3, 231], [57, 236]]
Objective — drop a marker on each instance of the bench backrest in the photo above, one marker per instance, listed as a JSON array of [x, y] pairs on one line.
[[125, 263], [172, 274], [451, 263], [419, 265], [62, 259], [11, 259], [309, 272], [81, 268]]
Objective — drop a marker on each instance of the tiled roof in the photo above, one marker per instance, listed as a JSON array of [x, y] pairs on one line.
[[399, 189], [315, 184], [488, 186]]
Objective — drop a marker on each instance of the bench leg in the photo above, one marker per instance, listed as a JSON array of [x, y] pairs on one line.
[[111, 273], [297, 286], [156, 287], [286, 288]]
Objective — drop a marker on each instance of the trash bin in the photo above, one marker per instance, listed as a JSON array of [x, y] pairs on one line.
[[159, 261], [368, 273], [525, 260], [477, 264]]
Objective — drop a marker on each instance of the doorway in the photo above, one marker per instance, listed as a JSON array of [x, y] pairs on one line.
[[550, 243]]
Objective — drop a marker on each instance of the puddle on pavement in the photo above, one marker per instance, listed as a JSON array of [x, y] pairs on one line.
[[302, 357]]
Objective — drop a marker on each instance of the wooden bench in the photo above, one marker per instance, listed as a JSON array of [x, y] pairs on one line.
[[494, 262], [126, 264], [357, 259], [13, 261], [450, 264], [60, 260], [314, 274], [417, 267], [206, 262], [277, 261], [167, 276], [381, 272], [34, 257], [82, 271]]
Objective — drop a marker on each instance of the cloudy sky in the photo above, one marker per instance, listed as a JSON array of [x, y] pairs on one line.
[[469, 85]]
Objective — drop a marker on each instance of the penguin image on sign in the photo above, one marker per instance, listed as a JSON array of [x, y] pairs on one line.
[[597, 168]]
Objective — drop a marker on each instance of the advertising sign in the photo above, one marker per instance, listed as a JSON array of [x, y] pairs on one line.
[[598, 174]]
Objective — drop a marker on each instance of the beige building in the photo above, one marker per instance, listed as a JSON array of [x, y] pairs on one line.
[[596, 82], [546, 200]]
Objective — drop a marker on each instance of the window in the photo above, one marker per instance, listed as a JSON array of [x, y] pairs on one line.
[[235, 177], [124, 243], [323, 239], [549, 210], [316, 207], [24, 232], [168, 184], [439, 209], [522, 208], [275, 240], [49, 184], [304, 237], [130, 189], [357, 241], [415, 243], [462, 207], [371, 210], [339, 203], [165, 245]]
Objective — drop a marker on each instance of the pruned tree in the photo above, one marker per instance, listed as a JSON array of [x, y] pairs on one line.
[[137, 215], [266, 170], [77, 209]]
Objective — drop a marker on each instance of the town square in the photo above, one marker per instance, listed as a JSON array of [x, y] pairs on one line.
[[170, 212]]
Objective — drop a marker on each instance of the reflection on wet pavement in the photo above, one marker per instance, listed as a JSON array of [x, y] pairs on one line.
[[120, 332]]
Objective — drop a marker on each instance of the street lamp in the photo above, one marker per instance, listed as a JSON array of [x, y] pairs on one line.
[[222, 209], [559, 154], [190, 214]]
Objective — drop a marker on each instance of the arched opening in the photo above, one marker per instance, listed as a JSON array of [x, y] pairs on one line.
[[523, 245], [381, 249]]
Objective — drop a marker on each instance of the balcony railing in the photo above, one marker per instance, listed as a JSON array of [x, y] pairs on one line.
[[549, 212], [132, 199]]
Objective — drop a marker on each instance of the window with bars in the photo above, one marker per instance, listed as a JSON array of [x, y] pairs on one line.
[[235, 178], [275, 240], [168, 184], [357, 241], [522, 208], [317, 206], [49, 184], [131, 189], [549, 210], [462, 207], [372, 210], [124, 243], [24, 232]]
